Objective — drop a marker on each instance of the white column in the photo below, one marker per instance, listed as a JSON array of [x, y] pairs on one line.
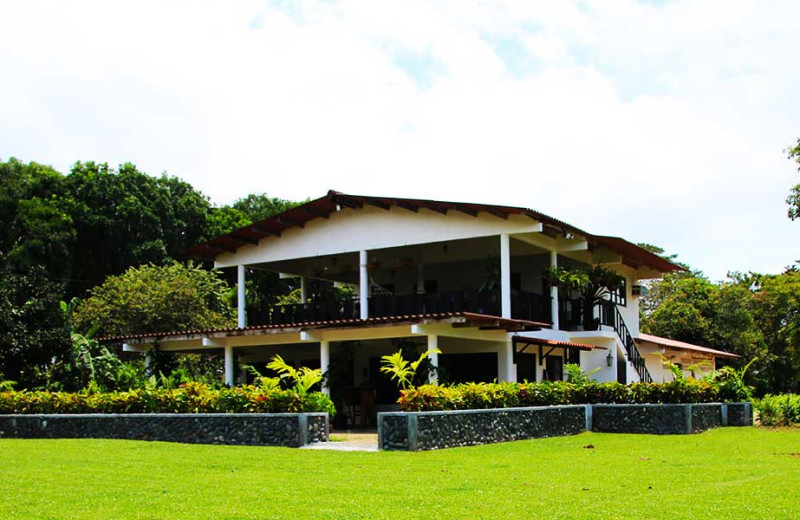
[[554, 293], [229, 365], [505, 362], [363, 284], [420, 279], [325, 363], [240, 301], [433, 357], [505, 276], [303, 290]]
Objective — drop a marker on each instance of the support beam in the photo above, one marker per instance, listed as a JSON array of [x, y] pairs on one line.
[[505, 362], [505, 275], [241, 310], [303, 290], [324, 364], [229, 366], [363, 284], [433, 358], [554, 294]]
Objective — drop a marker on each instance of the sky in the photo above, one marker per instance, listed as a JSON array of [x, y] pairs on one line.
[[658, 121]]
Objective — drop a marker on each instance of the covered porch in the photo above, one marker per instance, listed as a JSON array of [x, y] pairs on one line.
[[473, 348]]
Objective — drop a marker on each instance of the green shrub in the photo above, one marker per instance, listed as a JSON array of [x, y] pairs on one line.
[[778, 410], [188, 398], [508, 395]]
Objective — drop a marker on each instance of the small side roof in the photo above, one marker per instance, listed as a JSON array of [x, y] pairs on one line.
[[681, 345], [555, 343], [324, 206]]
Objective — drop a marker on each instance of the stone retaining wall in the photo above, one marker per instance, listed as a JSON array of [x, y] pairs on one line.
[[656, 418], [433, 430], [739, 414], [280, 429]]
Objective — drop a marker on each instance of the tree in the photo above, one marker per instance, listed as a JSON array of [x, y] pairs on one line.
[[777, 314], [37, 229], [126, 218], [32, 328], [258, 206], [793, 200], [154, 298]]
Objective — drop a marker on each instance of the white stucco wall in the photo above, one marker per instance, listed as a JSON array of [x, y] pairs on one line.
[[370, 228]]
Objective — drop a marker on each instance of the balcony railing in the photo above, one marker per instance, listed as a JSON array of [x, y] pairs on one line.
[[524, 306], [304, 312]]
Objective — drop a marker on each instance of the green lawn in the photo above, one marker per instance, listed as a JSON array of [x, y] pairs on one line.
[[724, 473]]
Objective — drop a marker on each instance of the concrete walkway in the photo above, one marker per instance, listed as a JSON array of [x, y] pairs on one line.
[[347, 442]]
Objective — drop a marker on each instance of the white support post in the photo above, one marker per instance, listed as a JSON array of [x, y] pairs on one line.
[[554, 293], [433, 358], [505, 362], [229, 365], [303, 290], [324, 364], [363, 284], [241, 310], [505, 275]]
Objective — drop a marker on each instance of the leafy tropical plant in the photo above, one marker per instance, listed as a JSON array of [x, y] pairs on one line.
[[401, 370], [304, 378], [778, 410], [262, 381], [577, 376], [731, 384]]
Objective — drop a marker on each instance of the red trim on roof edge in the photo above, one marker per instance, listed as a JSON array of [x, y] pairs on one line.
[[355, 322]]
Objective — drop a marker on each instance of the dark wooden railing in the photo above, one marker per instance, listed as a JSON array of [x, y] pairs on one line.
[[304, 312], [610, 315], [524, 306]]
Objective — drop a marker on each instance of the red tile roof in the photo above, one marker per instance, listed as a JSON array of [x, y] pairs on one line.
[[681, 345], [478, 320]]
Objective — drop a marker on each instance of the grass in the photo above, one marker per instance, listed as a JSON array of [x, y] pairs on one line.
[[724, 473]]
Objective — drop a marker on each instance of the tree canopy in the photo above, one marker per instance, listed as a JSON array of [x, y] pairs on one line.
[[153, 298]]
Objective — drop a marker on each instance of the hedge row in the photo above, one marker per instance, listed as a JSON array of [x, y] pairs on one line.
[[470, 396], [189, 398]]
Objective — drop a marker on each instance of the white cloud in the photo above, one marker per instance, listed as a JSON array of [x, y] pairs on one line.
[[657, 122]]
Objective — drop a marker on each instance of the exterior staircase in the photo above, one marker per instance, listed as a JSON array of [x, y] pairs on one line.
[[610, 316]]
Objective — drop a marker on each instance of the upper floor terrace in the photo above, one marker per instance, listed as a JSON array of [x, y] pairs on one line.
[[392, 257]]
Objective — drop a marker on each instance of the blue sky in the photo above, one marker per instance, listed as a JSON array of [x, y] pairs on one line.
[[663, 122]]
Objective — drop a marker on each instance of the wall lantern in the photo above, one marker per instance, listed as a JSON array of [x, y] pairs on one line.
[[609, 360], [445, 248]]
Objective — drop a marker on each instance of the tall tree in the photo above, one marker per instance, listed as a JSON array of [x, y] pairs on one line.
[[127, 218], [32, 327]]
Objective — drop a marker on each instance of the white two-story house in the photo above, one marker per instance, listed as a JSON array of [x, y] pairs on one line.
[[463, 278]]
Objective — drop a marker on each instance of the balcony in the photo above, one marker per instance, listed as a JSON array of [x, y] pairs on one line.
[[524, 306]]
